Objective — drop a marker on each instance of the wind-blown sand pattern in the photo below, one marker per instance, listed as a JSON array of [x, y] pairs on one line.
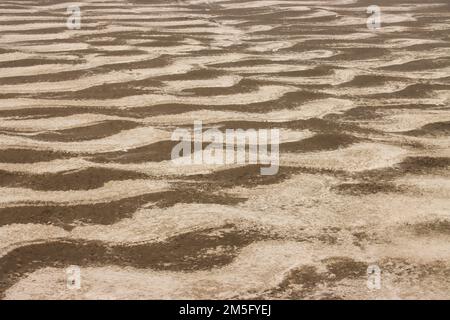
[[86, 118]]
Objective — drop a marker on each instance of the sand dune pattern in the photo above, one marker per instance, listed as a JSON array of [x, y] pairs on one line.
[[86, 178]]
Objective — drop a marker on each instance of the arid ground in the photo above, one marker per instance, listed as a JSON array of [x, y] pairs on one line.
[[86, 178]]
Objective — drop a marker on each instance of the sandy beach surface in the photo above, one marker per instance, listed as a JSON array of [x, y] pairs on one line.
[[86, 178]]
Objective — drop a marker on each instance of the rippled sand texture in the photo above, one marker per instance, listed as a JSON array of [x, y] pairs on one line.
[[86, 118]]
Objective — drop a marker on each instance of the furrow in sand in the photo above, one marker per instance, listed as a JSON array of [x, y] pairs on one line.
[[123, 140], [79, 133]]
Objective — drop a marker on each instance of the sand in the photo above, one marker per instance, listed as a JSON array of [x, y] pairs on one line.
[[86, 118]]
